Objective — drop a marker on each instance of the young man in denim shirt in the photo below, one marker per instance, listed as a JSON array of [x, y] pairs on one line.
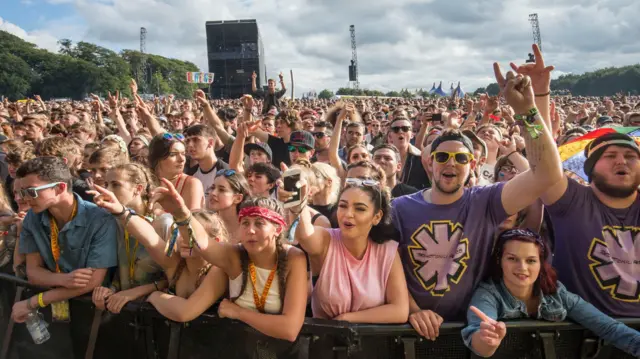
[[72, 260]]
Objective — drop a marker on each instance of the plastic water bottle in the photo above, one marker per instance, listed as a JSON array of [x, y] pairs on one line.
[[37, 327]]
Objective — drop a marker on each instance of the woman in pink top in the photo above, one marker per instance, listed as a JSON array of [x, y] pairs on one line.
[[361, 278]]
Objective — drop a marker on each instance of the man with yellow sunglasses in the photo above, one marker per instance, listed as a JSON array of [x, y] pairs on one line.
[[446, 232]]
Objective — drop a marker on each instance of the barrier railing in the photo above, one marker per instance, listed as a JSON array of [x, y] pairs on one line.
[[139, 332]]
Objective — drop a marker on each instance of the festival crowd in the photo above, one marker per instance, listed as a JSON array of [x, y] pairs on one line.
[[401, 210]]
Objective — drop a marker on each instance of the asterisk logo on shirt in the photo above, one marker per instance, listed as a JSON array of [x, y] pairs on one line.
[[439, 254], [615, 262]]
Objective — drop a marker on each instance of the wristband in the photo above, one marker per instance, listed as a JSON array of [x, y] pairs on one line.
[[184, 222], [124, 209], [41, 300], [155, 283], [543, 94]]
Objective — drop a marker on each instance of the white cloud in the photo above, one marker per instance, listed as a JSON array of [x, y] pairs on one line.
[[401, 43], [41, 38]]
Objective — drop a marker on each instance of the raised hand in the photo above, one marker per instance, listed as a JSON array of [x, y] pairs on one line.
[[170, 200], [491, 332], [253, 75], [133, 86], [247, 101], [539, 73], [281, 76], [113, 100], [200, 97], [106, 199], [516, 89]]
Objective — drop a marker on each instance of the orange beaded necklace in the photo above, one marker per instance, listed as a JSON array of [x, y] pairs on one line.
[[55, 245], [262, 300]]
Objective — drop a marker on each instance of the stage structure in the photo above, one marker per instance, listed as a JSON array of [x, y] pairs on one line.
[[234, 51]]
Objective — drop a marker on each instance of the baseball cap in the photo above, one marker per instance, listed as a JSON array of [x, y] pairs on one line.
[[475, 139], [603, 120], [260, 146], [302, 138], [448, 136]]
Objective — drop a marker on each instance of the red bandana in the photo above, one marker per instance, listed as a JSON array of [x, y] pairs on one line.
[[265, 213]]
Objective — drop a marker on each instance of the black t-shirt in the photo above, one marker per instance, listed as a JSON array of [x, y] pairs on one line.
[[414, 174], [280, 150], [270, 99], [328, 211], [402, 189]]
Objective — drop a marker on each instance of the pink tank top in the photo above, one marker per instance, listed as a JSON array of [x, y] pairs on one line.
[[346, 284]]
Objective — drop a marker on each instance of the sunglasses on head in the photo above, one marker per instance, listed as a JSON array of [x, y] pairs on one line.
[[397, 129], [299, 149], [173, 136], [361, 182], [32, 192], [225, 173], [460, 157]]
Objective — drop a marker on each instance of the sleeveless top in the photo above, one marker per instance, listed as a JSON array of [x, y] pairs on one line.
[[347, 284], [273, 304]]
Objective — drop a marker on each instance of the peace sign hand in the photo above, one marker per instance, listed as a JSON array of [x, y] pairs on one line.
[[491, 332], [106, 199], [539, 73], [170, 200]]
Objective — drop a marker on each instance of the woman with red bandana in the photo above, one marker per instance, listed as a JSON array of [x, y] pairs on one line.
[[266, 279]]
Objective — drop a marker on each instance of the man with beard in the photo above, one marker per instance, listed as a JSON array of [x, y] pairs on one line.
[[446, 232], [596, 227]]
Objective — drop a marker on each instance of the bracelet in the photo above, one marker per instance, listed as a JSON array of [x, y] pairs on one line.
[[155, 283], [124, 209], [184, 222], [543, 94], [126, 220], [41, 300]]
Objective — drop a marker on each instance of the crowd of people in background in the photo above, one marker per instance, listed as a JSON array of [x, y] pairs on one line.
[[404, 210]]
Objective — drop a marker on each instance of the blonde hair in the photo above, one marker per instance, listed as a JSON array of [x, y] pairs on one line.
[[327, 171], [212, 224]]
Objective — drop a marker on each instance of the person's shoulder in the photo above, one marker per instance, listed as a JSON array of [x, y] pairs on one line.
[[406, 199], [483, 190]]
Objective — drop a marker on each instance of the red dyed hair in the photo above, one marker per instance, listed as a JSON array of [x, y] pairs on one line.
[[547, 279]]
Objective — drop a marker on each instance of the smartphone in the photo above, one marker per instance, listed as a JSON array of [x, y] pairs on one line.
[[291, 179], [437, 117]]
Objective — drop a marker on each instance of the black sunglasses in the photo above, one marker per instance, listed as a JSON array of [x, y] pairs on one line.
[[319, 134], [397, 129]]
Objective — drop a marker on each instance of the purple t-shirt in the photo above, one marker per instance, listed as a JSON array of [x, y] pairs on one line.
[[445, 249], [596, 257]]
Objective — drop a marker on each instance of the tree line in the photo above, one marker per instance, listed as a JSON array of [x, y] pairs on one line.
[[603, 82], [83, 68]]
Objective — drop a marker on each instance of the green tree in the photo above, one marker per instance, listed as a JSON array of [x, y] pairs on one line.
[[393, 94], [326, 94]]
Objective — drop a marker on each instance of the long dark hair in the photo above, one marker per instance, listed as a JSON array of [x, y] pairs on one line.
[[547, 280], [381, 199], [281, 253], [160, 148]]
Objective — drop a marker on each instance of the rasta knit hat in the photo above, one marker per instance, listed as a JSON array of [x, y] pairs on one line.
[[594, 150]]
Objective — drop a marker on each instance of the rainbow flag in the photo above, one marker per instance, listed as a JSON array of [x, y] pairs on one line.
[[572, 153]]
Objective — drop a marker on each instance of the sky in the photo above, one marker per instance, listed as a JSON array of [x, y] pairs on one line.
[[400, 43]]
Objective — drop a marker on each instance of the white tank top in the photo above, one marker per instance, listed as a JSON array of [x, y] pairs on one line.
[[273, 304]]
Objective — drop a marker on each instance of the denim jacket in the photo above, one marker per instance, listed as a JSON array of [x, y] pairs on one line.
[[496, 302]]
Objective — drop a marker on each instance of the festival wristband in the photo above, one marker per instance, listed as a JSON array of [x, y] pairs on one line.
[[41, 300], [183, 222], [124, 209], [543, 94]]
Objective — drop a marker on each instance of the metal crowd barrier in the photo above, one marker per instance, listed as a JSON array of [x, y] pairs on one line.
[[140, 332]]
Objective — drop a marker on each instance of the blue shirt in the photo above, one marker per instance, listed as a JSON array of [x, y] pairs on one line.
[[498, 303], [87, 241]]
